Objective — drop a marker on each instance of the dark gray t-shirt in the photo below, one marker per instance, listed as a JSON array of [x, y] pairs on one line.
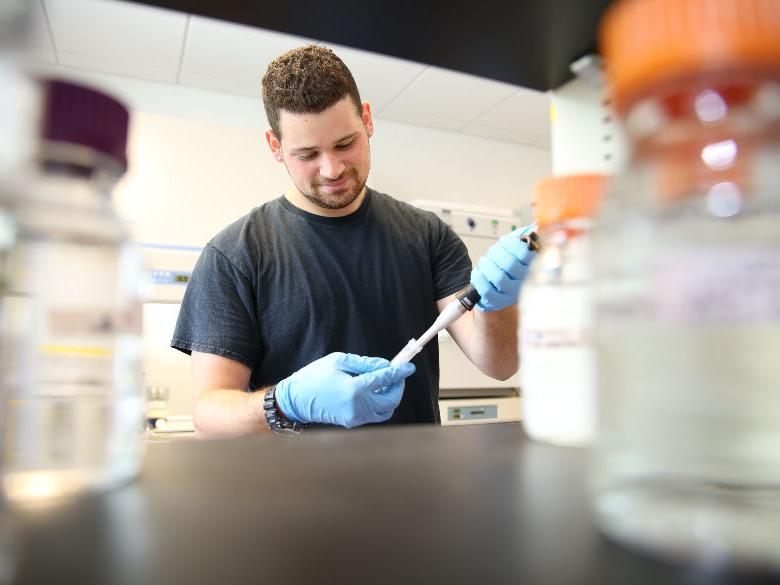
[[282, 287]]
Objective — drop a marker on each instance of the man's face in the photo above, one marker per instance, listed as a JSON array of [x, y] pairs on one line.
[[326, 154]]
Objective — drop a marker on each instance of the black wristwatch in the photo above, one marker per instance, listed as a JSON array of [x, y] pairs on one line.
[[274, 417]]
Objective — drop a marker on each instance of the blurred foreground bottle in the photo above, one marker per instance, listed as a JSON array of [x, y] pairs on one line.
[[688, 266], [70, 315], [558, 374], [18, 109]]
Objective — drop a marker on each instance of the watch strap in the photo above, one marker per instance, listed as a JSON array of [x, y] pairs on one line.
[[277, 422]]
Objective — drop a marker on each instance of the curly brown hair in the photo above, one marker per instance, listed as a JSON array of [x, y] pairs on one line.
[[308, 79]]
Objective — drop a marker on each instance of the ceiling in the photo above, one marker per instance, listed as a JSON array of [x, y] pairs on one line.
[[150, 43]]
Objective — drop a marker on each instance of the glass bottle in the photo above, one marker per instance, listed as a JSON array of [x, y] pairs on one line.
[[557, 372], [70, 313], [687, 464], [19, 102]]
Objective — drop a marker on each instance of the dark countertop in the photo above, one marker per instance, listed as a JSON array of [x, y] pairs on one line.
[[476, 505]]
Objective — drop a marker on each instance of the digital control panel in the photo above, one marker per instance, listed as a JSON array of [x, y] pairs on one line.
[[464, 223], [478, 411], [169, 276]]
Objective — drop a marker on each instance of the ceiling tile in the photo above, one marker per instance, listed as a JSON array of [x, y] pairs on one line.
[[447, 95], [527, 112], [164, 99], [39, 46], [229, 57], [117, 37], [489, 132], [506, 135], [419, 119], [379, 78]]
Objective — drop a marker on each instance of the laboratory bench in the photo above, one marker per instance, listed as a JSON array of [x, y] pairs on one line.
[[415, 505]]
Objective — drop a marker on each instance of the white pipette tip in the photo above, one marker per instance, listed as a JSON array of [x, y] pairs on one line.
[[451, 313], [411, 349]]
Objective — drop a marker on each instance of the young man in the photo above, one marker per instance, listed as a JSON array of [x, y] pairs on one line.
[[287, 301]]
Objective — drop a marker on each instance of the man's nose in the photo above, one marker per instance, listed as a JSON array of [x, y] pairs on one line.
[[331, 166]]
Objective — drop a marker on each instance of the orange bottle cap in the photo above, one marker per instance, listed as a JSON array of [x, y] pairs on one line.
[[557, 199], [647, 42]]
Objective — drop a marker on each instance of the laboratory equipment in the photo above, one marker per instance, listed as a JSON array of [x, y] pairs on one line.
[[19, 99], [687, 263], [556, 328], [70, 316], [498, 407], [464, 301], [167, 377], [479, 227], [461, 383]]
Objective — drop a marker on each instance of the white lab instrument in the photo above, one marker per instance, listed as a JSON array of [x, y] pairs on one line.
[[464, 301], [166, 372], [461, 384]]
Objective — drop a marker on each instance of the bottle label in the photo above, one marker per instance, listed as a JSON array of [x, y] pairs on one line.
[[557, 363], [734, 286], [70, 322], [727, 286]]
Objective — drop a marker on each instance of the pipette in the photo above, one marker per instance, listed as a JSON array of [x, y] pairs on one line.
[[464, 302]]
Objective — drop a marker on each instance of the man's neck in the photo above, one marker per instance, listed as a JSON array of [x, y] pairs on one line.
[[300, 201]]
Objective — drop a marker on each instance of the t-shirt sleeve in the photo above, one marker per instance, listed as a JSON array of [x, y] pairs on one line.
[[450, 262], [218, 314]]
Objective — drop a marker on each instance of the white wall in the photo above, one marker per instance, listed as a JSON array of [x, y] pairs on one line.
[[189, 178], [198, 161]]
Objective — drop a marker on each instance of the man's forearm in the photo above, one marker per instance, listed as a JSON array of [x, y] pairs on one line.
[[493, 343], [230, 412]]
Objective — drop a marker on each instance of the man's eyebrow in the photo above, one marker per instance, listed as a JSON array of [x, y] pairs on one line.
[[347, 137], [301, 149]]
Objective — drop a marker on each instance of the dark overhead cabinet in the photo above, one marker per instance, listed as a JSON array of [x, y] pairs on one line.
[[524, 42]]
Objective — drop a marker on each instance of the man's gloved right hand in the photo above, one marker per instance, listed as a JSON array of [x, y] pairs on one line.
[[343, 389]]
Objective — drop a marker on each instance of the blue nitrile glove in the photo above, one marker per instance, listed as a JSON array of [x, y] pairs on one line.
[[343, 389], [500, 273]]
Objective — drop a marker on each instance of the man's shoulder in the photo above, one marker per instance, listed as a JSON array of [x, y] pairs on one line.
[[397, 210], [246, 228], [241, 241]]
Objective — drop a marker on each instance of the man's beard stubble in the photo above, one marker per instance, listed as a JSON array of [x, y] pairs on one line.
[[338, 200]]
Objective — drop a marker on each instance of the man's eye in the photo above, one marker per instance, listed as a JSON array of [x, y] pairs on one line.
[[345, 145], [309, 156]]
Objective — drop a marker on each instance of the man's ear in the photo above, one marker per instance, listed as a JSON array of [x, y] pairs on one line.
[[368, 122], [274, 144]]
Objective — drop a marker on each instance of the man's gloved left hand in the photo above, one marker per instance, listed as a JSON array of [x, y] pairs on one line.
[[500, 273]]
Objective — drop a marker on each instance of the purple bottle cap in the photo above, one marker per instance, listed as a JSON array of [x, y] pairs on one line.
[[74, 114]]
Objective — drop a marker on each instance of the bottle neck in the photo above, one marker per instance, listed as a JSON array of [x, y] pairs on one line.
[[710, 130], [566, 228], [565, 252], [705, 108], [71, 175], [61, 198]]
